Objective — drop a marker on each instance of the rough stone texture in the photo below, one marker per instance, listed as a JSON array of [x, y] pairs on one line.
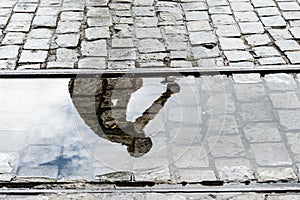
[[266, 156], [275, 174], [191, 33]]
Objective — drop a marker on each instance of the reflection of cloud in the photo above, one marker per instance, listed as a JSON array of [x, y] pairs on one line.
[[143, 98]]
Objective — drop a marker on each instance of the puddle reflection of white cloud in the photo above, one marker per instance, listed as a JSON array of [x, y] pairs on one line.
[[144, 97]]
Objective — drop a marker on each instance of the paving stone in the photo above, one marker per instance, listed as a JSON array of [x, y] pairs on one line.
[[287, 6], [268, 11], [153, 56], [273, 21], [3, 21], [272, 61], [250, 92], [92, 22], [8, 162], [196, 15], [293, 141], [202, 38], [294, 57], [172, 30], [143, 11], [251, 27], [21, 17], [148, 33], [291, 15], [226, 146], [14, 38], [18, 27], [241, 64], [9, 52], [294, 23], [231, 43], [271, 154], [219, 19], [283, 197], [71, 16], [44, 21], [246, 16], [151, 46], [189, 157], [98, 12], [158, 174], [258, 39], [178, 55], [5, 11], [186, 116], [35, 155], [60, 65], [289, 119], [97, 33], [233, 170], [67, 40], [48, 11], [266, 3], [194, 6], [241, 6], [143, 3], [25, 7], [181, 63], [121, 54], [285, 100], [275, 174], [247, 78], [68, 27], [280, 82], [38, 173], [262, 132], [92, 63], [7, 64], [287, 45], [280, 34], [266, 51], [224, 125], [95, 48], [146, 21], [203, 25], [40, 33], [238, 56], [73, 6], [42, 44], [28, 56], [195, 175], [228, 31], [122, 43], [121, 64], [220, 10], [256, 112], [202, 52], [29, 66], [69, 55]]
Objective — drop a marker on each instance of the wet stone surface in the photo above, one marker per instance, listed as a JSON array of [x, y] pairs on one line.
[[234, 129]]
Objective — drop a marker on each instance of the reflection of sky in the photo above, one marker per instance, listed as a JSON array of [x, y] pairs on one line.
[[41, 112], [144, 97]]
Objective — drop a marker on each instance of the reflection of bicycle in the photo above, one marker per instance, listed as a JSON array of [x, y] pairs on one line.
[[111, 118]]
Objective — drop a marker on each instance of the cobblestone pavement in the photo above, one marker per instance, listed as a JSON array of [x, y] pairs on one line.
[[118, 34], [235, 129]]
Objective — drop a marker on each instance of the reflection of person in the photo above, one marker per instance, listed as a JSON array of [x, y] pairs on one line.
[[111, 97]]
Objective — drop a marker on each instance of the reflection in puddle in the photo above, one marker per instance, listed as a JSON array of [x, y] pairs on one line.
[[111, 98], [153, 129]]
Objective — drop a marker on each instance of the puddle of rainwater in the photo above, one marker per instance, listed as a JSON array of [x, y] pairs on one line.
[[84, 127]]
